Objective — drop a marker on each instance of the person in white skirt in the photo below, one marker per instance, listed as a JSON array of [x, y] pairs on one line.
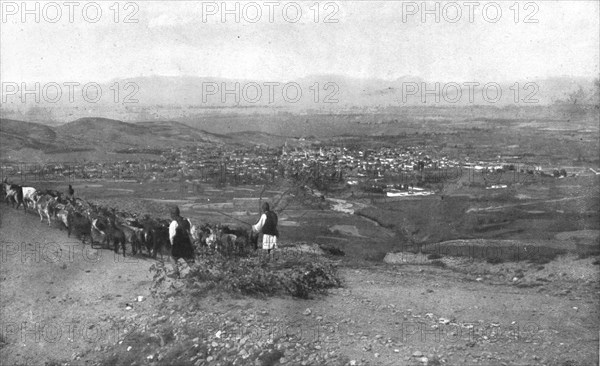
[[267, 225]]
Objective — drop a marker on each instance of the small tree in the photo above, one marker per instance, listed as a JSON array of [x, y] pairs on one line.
[[577, 97]]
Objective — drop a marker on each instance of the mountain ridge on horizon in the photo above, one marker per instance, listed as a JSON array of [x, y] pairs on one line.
[[563, 77], [101, 137], [326, 91], [180, 98]]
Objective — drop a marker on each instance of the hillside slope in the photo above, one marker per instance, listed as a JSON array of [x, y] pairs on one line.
[[15, 135], [100, 136]]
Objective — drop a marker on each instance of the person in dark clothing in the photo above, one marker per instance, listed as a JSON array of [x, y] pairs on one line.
[[267, 225], [180, 237], [70, 194]]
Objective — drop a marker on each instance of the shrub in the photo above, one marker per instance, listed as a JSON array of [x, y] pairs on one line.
[[53, 363], [271, 358], [375, 257], [495, 260], [332, 250], [290, 273], [438, 263]]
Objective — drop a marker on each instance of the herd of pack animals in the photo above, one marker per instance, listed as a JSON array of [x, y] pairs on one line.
[[122, 228]]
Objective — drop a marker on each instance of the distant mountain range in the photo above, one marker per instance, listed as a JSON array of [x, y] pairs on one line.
[[178, 111], [186, 98]]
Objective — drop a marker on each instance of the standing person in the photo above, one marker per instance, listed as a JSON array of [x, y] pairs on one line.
[[71, 193], [180, 237], [267, 225]]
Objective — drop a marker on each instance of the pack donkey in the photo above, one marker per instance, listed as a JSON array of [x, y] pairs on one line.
[[14, 194]]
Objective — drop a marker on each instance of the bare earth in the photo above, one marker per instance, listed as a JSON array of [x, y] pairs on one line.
[[64, 303]]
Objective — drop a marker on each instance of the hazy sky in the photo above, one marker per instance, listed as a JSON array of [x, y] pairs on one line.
[[370, 40]]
